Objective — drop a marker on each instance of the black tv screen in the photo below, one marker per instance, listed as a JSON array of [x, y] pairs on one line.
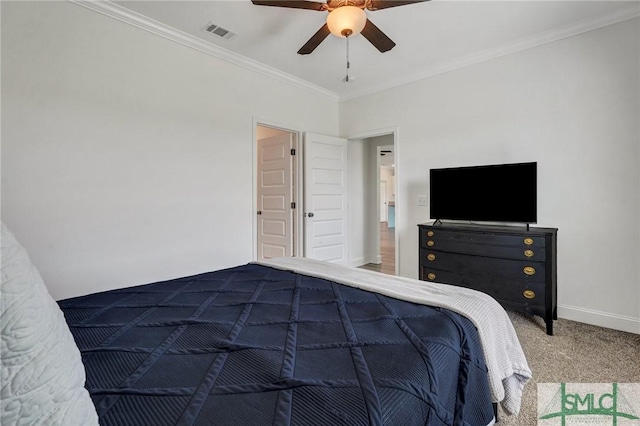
[[491, 193]]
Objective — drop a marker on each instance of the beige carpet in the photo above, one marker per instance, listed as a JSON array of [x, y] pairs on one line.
[[576, 353]]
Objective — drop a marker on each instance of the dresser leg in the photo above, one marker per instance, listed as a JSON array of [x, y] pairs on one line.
[[549, 321]]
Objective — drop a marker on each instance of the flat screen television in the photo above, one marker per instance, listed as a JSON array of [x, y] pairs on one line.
[[490, 193]]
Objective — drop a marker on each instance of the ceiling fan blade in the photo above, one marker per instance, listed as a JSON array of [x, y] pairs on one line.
[[294, 4], [315, 40], [377, 37], [385, 4]]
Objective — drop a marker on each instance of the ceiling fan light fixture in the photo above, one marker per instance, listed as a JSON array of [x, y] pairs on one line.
[[346, 21]]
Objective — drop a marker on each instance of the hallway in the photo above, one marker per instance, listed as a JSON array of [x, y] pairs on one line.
[[387, 252]]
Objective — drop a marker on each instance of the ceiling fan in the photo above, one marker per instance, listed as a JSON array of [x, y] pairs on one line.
[[346, 18]]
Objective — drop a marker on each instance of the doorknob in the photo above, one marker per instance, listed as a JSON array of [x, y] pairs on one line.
[[310, 215], [259, 212]]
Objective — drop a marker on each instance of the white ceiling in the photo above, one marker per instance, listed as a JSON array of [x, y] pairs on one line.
[[431, 37]]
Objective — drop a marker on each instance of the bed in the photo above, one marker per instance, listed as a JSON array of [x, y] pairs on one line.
[[289, 341]]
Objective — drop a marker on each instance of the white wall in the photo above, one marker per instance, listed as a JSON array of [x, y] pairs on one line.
[[127, 158], [572, 106], [358, 175]]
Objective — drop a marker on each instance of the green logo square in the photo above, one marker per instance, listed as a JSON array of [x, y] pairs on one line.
[[565, 404]]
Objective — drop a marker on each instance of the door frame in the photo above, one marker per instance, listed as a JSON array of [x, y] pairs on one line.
[[298, 243], [383, 209], [395, 131]]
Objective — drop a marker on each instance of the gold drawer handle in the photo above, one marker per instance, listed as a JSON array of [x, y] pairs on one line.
[[529, 294], [431, 276], [528, 253], [431, 256], [528, 241], [430, 243], [429, 233], [529, 270]]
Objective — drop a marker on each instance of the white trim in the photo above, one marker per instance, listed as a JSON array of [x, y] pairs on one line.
[[508, 49], [358, 261], [599, 318], [127, 16], [373, 133], [254, 188]]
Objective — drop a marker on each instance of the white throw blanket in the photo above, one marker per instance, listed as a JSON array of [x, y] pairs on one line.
[[507, 366]]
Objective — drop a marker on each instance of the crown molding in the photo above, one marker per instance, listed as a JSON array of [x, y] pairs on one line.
[[135, 19], [508, 49], [122, 14]]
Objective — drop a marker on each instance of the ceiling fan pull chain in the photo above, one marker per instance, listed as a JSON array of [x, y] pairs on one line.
[[347, 77]]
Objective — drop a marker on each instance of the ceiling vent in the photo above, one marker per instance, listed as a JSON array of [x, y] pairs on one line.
[[218, 31]]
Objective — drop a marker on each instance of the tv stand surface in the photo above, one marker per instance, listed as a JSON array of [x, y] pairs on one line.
[[515, 265]]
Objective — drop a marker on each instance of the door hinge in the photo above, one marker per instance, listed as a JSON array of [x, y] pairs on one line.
[[293, 205], [293, 151]]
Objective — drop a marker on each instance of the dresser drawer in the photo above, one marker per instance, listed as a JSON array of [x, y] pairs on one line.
[[523, 293], [503, 252], [509, 269], [454, 239]]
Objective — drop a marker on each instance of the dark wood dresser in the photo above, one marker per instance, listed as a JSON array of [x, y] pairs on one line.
[[515, 265]]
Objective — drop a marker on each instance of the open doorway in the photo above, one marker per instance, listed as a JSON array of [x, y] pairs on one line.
[[386, 201], [373, 201], [300, 198]]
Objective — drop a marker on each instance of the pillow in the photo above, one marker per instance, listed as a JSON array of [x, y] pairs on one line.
[[42, 376]]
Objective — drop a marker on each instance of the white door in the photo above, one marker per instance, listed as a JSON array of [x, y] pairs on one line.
[[274, 197], [383, 201], [325, 198]]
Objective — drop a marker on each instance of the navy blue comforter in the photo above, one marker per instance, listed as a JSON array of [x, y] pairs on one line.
[[253, 345]]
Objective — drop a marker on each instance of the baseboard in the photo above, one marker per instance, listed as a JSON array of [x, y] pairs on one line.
[[599, 318], [358, 261]]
